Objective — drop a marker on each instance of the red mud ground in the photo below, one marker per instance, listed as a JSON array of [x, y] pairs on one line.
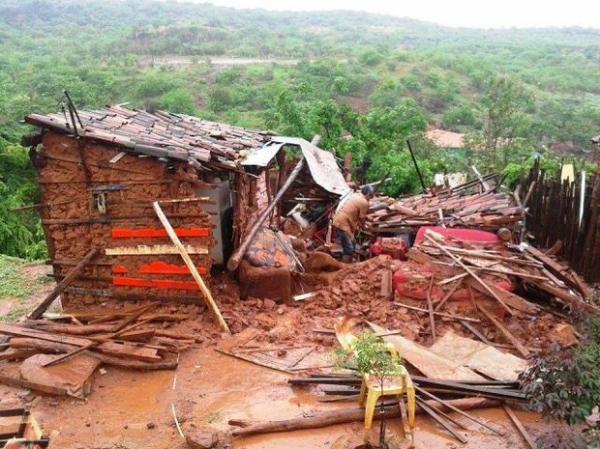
[[132, 409]]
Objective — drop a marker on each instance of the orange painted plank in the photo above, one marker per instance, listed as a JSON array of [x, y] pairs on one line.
[[151, 232], [120, 269], [160, 267], [155, 283]]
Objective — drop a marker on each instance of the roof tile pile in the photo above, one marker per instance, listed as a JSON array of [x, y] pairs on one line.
[[202, 143]]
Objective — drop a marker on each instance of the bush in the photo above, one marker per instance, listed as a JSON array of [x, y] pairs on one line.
[[565, 383]]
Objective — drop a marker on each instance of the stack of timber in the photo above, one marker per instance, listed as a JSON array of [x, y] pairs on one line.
[[135, 338], [474, 205]]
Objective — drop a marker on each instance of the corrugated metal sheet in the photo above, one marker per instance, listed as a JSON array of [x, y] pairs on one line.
[[321, 164], [260, 157]]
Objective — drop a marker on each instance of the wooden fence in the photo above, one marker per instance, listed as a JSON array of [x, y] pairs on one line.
[[554, 214]]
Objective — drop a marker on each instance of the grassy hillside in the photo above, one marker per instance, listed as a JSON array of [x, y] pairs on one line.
[[365, 82]]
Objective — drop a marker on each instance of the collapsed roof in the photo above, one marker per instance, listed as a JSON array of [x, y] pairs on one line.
[[203, 144]]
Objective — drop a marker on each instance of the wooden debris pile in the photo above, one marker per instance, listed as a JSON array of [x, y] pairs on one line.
[[134, 338], [434, 398], [467, 205], [518, 265], [487, 279]]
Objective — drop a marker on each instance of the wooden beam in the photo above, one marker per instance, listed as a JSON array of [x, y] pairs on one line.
[[208, 299], [457, 410], [437, 418], [517, 423], [441, 314], [119, 329], [141, 250], [60, 287], [340, 416], [510, 337], [471, 273], [236, 258], [117, 233], [430, 308]]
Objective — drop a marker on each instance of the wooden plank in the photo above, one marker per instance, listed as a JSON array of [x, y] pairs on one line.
[[459, 411], [142, 250], [207, 295], [116, 349], [60, 287], [441, 314], [510, 337], [252, 359], [160, 267], [437, 418], [117, 233], [448, 295], [165, 284], [430, 308], [16, 381], [511, 299], [118, 330], [517, 423]]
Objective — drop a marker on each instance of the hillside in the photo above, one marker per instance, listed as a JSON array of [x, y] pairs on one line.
[[365, 82]]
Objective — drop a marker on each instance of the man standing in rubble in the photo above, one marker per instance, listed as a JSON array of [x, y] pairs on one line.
[[349, 216]]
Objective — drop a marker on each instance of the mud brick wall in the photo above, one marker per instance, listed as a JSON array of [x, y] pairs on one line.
[[72, 174]]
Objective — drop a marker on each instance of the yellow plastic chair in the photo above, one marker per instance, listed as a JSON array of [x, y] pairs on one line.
[[371, 388]]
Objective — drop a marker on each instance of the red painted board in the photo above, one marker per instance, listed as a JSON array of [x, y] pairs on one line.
[[160, 267], [150, 232], [120, 269], [155, 283]]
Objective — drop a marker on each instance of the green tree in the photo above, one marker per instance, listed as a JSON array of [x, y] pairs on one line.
[[179, 101], [503, 105]]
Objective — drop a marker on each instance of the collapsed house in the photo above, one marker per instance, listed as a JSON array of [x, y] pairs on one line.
[[100, 172], [127, 195]]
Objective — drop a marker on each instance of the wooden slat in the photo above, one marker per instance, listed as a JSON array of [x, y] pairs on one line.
[[150, 232], [70, 277], [153, 249], [155, 283], [160, 267], [185, 255]]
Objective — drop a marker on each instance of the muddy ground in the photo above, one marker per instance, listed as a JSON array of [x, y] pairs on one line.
[[133, 409]]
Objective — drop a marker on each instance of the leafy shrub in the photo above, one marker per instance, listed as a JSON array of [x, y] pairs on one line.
[[565, 383]]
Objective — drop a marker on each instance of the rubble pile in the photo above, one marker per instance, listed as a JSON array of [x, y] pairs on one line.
[[487, 209]]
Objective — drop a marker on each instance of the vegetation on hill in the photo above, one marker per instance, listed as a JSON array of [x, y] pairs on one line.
[[364, 82]]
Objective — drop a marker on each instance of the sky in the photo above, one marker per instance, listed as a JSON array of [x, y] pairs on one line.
[[467, 13]]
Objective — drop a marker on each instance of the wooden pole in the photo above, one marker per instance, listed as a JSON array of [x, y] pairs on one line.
[[236, 258], [444, 315], [517, 422], [437, 418], [452, 407], [340, 416], [430, 308], [60, 287], [510, 337], [208, 299], [471, 273]]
